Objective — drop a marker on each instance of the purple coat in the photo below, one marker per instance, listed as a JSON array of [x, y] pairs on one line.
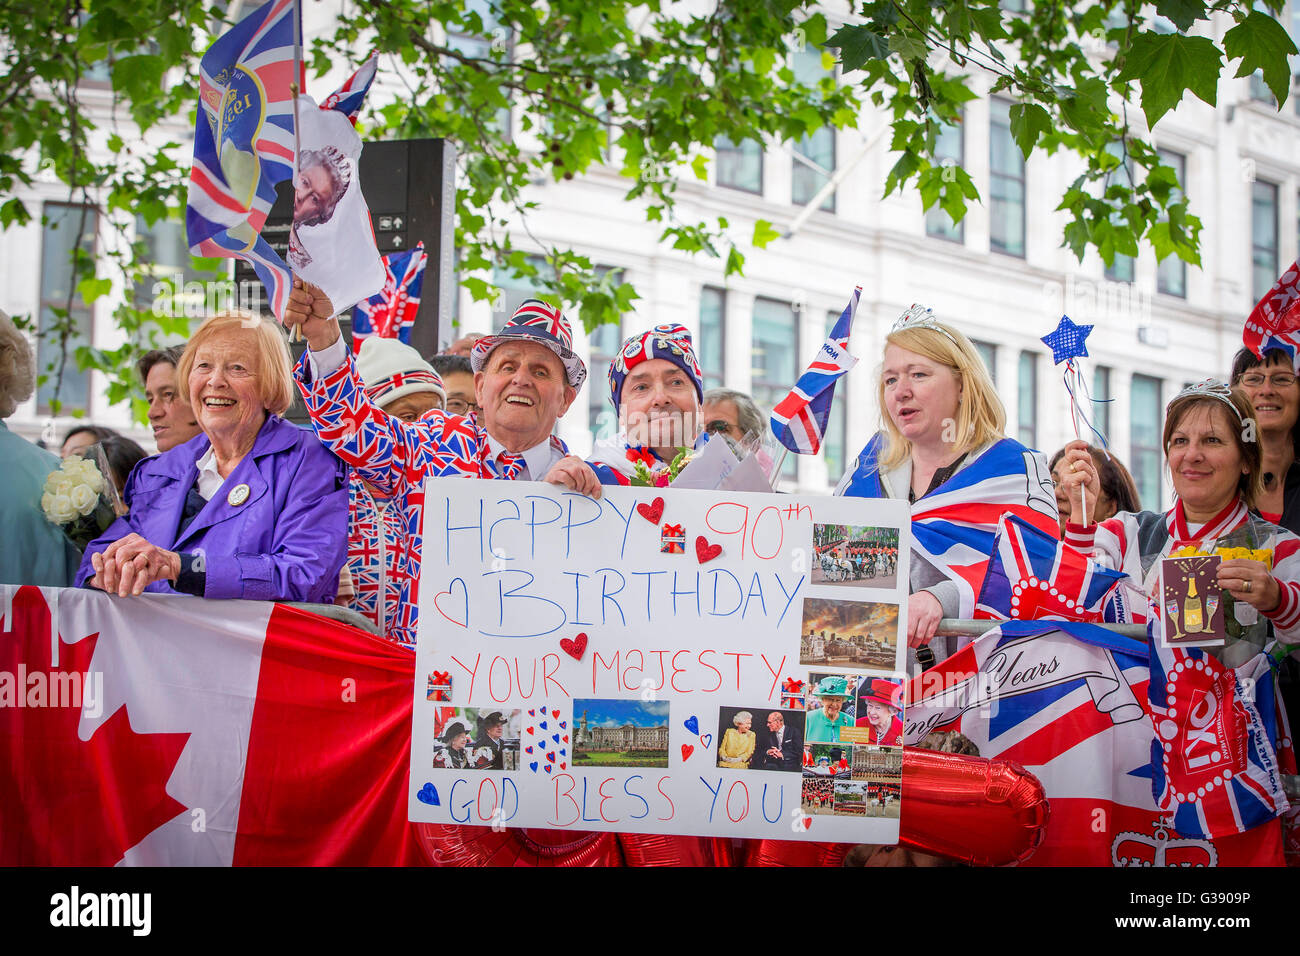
[[286, 542]]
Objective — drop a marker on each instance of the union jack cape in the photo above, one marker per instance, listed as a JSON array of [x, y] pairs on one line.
[[390, 313], [953, 526], [1068, 701], [243, 143], [1032, 576], [799, 419], [1274, 323]]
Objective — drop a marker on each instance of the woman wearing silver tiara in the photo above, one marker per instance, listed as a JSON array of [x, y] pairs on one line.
[[1214, 458], [941, 446]]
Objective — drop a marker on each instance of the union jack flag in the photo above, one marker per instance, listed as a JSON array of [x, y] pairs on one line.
[[1033, 576], [1067, 701], [953, 526], [1274, 323], [384, 559], [1214, 758], [349, 97], [390, 313], [799, 419], [243, 143]]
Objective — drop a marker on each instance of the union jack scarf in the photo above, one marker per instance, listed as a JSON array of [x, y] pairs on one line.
[[384, 558], [953, 526]]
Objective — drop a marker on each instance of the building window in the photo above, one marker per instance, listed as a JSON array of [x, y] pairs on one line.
[[1121, 266], [1171, 273], [1027, 411], [740, 165], [63, 224], [836, 436], [494, 36], [710, 348], [167, 260], [773, 360], [1099, 413], [989, 353], [1144, 430], [949, 149], [814, 154], [1006, 184], [602, 416], [1263, 237]]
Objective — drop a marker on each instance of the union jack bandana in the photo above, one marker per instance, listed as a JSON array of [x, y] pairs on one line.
[[671, 342], [539, 322]]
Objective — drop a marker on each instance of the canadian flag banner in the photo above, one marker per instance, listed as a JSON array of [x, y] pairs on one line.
[[173, 731]]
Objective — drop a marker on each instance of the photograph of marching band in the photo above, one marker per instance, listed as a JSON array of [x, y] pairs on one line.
[[848, 633], [848, 554]]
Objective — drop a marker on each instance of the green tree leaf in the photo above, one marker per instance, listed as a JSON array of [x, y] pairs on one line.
[[763, 234], [857, 45], [1262, 44], [1028, 122], [1182, 13], [1167, 66]]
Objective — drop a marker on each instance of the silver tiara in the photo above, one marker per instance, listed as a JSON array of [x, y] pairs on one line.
[[1212, 389], [920, 317]]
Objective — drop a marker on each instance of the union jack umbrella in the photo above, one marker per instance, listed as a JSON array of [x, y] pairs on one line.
[[799, 419], [390, 313]]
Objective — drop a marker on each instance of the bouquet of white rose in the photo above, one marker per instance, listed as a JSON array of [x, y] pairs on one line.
[[75, 499]]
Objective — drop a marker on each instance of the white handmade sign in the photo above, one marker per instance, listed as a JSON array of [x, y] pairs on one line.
[[660, 661]]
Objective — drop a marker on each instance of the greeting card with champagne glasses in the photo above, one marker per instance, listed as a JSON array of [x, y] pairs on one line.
[[1192, 602]]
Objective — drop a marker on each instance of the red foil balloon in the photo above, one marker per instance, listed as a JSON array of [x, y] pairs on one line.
[[657, 849], [968, 809], [514, 846]]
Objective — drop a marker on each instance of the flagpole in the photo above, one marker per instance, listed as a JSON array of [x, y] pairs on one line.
[[294, 90], [776, 470]]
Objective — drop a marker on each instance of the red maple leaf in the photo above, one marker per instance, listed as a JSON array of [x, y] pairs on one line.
[[64, 801]]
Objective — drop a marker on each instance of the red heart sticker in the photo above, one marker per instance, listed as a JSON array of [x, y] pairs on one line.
[[687, 750], [574, 648], [556, 713], [566, 738], [705, 551], [653, 511], [807, 823], [529, 731]]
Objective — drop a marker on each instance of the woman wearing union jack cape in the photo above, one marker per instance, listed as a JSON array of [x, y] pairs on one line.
[[941, 446]]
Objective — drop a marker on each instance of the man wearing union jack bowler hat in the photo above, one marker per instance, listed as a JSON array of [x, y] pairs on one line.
[[525, 377]]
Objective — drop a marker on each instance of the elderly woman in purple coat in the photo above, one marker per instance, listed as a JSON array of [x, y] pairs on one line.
[[253, 507]]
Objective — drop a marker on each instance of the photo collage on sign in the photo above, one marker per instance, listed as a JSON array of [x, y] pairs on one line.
[[475, 738], [852, 700]]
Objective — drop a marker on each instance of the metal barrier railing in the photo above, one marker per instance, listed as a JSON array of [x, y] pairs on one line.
[[965, 627]]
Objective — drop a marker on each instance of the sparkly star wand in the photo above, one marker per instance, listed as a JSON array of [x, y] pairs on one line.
[[1067, 342]]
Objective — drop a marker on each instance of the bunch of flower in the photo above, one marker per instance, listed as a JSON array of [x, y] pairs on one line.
[[74, 499], [645, 478]]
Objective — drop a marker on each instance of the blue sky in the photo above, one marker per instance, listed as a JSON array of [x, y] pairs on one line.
[[617, 713]]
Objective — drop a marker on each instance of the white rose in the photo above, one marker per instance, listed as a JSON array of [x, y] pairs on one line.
[[84, 499], [62, 483], [60, 510], [89, 475]]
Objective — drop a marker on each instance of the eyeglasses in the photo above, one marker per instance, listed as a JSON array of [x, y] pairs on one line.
[[458, 407], [1279, 380]]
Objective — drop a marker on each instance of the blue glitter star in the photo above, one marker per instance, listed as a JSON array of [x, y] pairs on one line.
[[1067, 340]]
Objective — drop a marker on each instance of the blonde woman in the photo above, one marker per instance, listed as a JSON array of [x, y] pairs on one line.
[[941, 446], [738, 743]]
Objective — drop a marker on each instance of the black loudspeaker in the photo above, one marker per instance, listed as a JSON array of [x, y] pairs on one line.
[[410, 187]]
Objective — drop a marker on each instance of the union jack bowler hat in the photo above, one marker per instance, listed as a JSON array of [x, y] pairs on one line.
[[544, 324]]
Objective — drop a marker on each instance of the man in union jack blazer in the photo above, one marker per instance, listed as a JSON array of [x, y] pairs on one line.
[[526, 377]]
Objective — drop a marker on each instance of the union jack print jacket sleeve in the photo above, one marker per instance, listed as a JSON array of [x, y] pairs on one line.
[[393, 455]]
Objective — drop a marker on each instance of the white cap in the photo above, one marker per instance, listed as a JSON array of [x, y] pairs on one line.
[[390, 369]]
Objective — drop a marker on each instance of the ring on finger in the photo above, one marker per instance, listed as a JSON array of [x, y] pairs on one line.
[[1246, 587]]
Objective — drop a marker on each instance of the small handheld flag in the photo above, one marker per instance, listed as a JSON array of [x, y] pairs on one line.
[[1274, 323], [390, 313], [799, 419]]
